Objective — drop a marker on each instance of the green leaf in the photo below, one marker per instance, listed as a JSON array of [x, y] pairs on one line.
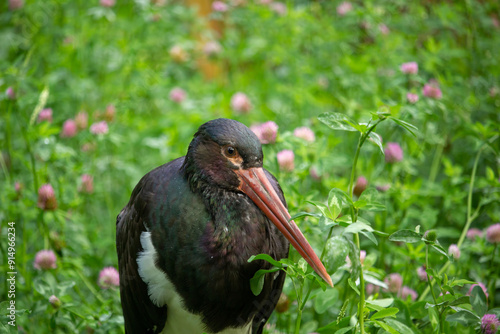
[[441, 250], [304, 214], [410, 127], [357, 227], [373, 206], [407, 236], [434, 275], [495, 311], [266, 257], [336, 250], [344, 330], [490, 174], [342, 196], [376, 139], [458, 309], [323, 208], [429, 305], [370, 236], [387, 312], [433, 317], [355, 261], [335, 325], [326, 223], [42, 287], [257, 281], [63, 286], [352, 284], [314, 277], [379, 304], [335, 203], [465, 318], [460, 300], [326, 300], [386, 327], [4, 308], [368, 200], [338, 121], [447, 288], [347, 199], [460, 282], [361, 127], [359, 204], [370, 279], [309, 326], [418, 310], [478, 301], [398, 326]]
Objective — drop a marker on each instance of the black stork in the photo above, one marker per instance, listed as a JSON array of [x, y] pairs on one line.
[[184, 238]]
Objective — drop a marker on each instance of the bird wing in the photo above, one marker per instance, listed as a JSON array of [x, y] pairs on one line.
[[267, 306], [139, 312]]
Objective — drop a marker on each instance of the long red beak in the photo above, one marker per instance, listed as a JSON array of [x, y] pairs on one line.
[[256, 185]]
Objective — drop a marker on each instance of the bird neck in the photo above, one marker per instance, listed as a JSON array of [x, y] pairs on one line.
[[236, 222]]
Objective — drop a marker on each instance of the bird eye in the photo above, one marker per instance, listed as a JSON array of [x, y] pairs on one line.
[[230, 151]]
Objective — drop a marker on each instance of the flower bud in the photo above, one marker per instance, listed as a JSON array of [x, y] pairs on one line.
[[409, 68], [241, 103], [69, 129], [11, 94], [47, 198], [454, 251], [108, 278], [55, 302], [286, 160], [393, 153], [493, 233], [394, 282], [305, 133], [45, 260], [430, 236], [45, 115], [489, 324], [361, 184]]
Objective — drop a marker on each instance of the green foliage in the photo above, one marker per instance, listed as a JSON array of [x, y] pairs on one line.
[[338, 74]]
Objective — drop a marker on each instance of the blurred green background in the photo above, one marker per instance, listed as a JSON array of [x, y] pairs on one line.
[[293, 60]]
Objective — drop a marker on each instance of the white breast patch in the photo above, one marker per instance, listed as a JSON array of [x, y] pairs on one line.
[[162, 292]]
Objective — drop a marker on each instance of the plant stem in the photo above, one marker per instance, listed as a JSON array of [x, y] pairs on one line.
[[299, 303], [354, 163], [469, 199], [89, 286], [304, 300], [491, 283], [323, 252], [429, 279], [435, 162], [297, 321], [361, 305], [361, 140], [32, 159], [470, 216]]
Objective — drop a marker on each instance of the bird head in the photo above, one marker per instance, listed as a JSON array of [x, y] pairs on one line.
[[227, 154]]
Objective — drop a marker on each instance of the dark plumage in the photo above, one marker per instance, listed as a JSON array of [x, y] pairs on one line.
[[204, 223]]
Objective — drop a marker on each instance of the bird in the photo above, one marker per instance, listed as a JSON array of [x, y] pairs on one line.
[[184, 238]]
